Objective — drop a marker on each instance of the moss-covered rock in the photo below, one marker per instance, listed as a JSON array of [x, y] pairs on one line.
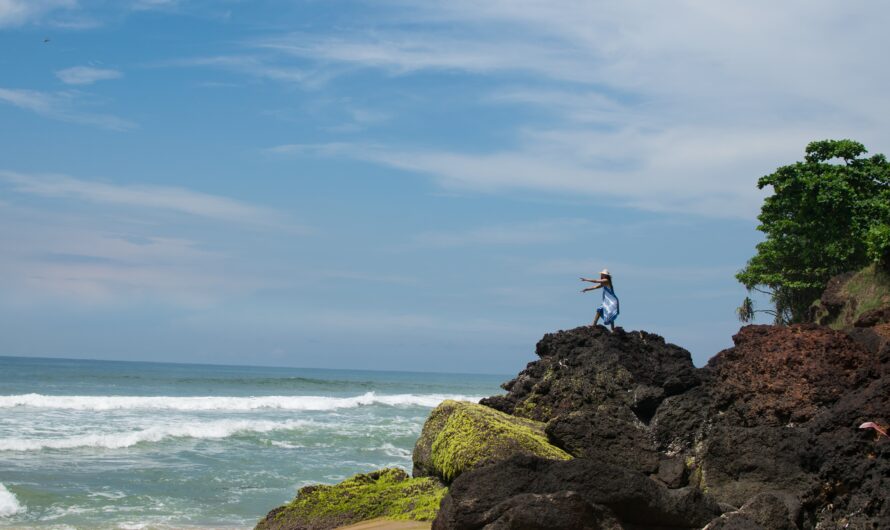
[[850, 296], [459, 436], [388, 493]]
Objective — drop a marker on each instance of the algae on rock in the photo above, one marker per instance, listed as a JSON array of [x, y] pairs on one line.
[[388, 493], [459, 436]]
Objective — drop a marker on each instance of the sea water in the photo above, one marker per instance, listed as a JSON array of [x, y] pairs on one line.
[[102, 445]]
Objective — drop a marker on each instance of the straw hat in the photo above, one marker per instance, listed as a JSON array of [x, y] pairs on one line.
[[606, 272]]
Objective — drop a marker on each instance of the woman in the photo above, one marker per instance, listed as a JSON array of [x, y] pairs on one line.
[[609, 310]]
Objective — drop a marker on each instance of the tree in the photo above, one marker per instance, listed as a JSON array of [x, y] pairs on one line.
[[827, 215]]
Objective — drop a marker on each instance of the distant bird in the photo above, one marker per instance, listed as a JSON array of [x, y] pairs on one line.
[[46, 40], [873, 426]]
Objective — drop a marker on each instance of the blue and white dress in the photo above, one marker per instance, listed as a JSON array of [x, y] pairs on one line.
[[610, 309]]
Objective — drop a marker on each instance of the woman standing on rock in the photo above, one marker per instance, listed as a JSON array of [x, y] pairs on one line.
[[609, 310]]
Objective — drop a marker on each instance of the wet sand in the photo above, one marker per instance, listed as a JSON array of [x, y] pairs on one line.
[[386, 524]]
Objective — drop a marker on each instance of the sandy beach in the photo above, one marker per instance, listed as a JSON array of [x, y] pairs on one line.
[[386, 524]]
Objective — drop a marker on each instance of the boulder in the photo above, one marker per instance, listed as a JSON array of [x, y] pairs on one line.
[[459, 436], [386, 493], [588, 367], [630, 497], [613, 436]]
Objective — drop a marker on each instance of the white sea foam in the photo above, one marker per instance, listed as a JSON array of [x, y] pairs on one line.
[[209, 403], [9, 505], [285, 445], [391, 450], [119, 440]]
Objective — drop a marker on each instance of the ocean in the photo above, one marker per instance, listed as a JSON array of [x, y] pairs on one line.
[[128, 445]]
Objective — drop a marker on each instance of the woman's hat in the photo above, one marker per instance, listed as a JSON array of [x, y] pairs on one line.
[[606, 272]]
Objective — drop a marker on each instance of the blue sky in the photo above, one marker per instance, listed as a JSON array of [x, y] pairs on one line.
[[400, 184]]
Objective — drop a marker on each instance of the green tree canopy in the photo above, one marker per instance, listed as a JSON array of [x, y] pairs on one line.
[[827, 215]]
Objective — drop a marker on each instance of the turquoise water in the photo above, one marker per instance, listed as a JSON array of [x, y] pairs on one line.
[[96, 444]]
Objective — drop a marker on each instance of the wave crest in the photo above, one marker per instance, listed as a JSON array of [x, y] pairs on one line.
[[208, 403], [120, 440], [9, 504]]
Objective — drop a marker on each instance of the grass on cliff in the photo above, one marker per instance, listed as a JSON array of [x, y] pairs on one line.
[[466, 435], [385, 493], [869, 289]]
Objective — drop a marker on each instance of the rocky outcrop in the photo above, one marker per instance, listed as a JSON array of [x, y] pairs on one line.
[[586, 494], [386, 493], [620, 431], [590, 367], [767, 431], [459, 436]]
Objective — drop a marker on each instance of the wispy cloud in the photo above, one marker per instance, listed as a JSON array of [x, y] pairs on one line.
[[259, 67], [18, 12], [86, 75], [675, 108], [640, 170], [102, 243], [165, 198], [534, 233], [62, 106]]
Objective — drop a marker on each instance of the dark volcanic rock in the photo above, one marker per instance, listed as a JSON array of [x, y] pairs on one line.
[[634, 499], [737, 463], [766, 511], [873, 317], [853, 465], [774, 417], [614, 436], [565, 510], [673, 473], [587, 367]]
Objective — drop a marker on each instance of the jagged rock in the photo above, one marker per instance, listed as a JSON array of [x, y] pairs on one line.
[[565, 510], [587, 367], [673, 473], [609, 435], [384, 493], [766, 511], [853, 465], [459, 436], [634, 499], [737, 463], [783, 375], [740, 427], [873, 317]]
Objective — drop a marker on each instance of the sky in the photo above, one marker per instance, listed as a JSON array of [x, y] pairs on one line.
[[400, 184]]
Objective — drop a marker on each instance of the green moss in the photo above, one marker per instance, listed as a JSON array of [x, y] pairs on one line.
[[459, 436], [385, 493]]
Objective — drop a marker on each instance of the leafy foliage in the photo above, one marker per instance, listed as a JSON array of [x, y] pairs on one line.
[[827, 215]]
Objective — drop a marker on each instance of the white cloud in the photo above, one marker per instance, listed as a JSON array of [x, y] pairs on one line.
[[258, 67], [675, 106], [86, 75], [165, 198], [91, 242], [18, 12], [62, 106], [534, 233]]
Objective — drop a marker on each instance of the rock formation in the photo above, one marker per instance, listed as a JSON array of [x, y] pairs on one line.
[[459, 436], [386, 493], [767, 431], [620, 431]]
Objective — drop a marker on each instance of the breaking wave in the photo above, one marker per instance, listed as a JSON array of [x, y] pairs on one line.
[[208, 403], [119, 440], [9, 505]]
